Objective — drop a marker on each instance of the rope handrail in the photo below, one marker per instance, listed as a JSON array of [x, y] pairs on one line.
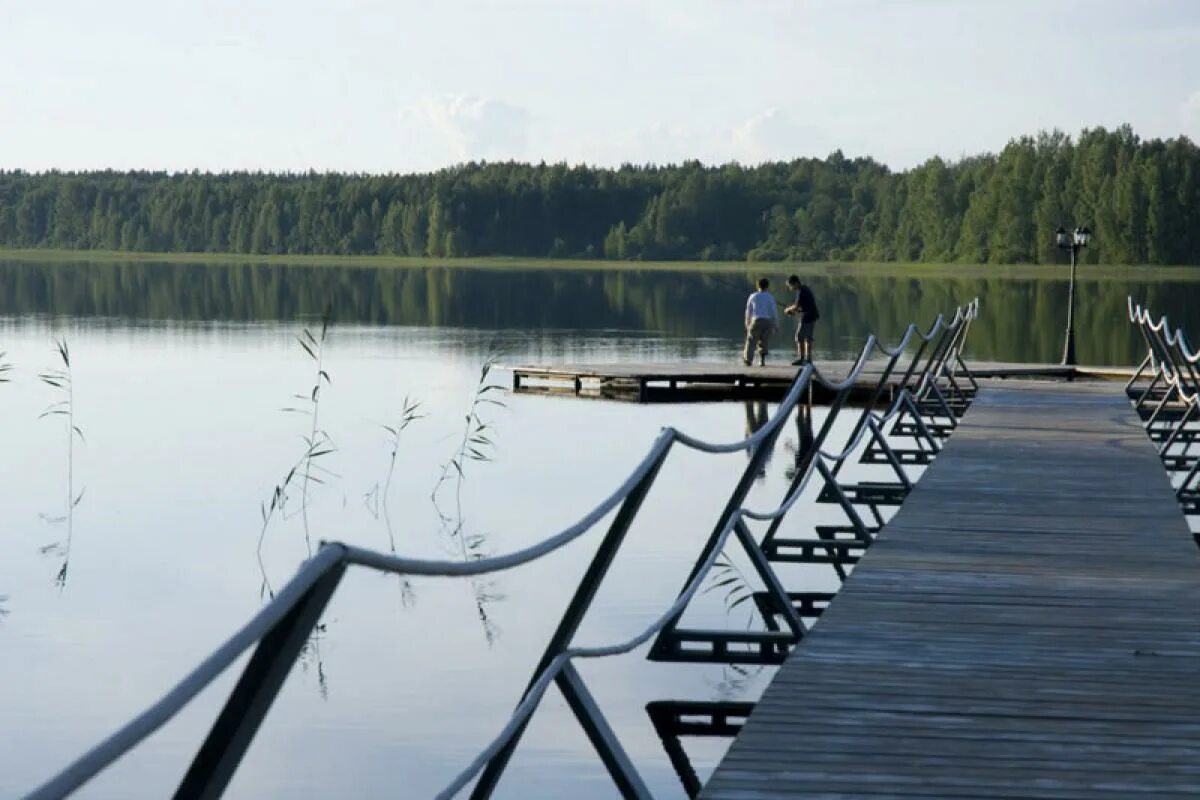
[[901, 402], [525, 709], [529, 704], [871, 344], [1175, 377], [159, 713], [328, 556], [334, 556], [1174, 343]]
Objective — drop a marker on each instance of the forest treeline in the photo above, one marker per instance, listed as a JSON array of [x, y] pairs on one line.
[[1141, 199]]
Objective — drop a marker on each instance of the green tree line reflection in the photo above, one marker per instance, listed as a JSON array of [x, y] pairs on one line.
[[1022, 319]]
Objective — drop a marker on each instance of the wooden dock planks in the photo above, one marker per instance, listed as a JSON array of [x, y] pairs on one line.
[[1027, 626]]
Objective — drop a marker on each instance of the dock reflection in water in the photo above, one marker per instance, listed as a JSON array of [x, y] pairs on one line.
[[178, 370]]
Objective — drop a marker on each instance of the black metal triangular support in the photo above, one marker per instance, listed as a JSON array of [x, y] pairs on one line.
[[601, 735], [675, 719], [676, 642], [575, 612], [927, 444]]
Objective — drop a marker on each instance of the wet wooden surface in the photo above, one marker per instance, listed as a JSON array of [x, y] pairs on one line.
[[1027, 626]]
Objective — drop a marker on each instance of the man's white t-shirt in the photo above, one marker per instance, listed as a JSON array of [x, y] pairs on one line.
[[761, 305]]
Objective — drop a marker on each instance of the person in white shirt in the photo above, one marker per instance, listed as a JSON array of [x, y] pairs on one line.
[[761, 319]]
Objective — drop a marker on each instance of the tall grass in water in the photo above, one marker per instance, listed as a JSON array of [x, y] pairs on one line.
[[303, 474], [275, 507], [317, 441], [377, 500], [60, 379], [317, 445], [729, 579], [732, 582], [475, 445]]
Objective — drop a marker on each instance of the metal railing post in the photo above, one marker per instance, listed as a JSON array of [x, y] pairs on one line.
[[572, 618], [876, 395], [811, 449], [892, 459], [280, 630], [770, 579], [1138, 374], [231, 734], [601, 735], [661, 647]]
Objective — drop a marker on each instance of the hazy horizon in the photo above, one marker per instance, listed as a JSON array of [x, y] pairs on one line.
[[397, 88]]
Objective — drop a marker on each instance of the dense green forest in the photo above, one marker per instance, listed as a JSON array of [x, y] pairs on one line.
[[1140, 197]]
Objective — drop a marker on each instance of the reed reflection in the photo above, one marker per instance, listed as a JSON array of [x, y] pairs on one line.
[[308, 472], [377, 500], [60, 379], [476, 445]]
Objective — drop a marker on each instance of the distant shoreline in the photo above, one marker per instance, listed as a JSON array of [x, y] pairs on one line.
[[770, 268]]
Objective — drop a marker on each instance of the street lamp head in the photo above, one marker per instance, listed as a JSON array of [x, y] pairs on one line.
[[1082, 235], [1060, 236]]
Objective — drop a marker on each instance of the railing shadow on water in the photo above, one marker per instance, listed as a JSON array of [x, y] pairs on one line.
[[924, 402]]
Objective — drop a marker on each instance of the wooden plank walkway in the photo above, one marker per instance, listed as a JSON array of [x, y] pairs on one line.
[[700, 381], [1027, 626]]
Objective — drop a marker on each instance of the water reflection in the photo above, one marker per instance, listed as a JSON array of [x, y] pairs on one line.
[[757, 415], [203, 572], [675, 719], [476, 446], [60, 380], [176, 469], [1023, 319], [378, 499], [804, 440], [722, 715]]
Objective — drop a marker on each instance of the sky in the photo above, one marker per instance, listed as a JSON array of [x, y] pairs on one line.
[[400, 86]]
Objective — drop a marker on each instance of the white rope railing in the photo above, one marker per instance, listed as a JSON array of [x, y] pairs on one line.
[[336, 555], [1169, 355], [528, 705], [1172, 340]]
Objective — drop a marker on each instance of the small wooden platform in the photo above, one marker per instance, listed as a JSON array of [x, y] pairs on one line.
[[1027, 626], [703, 381]]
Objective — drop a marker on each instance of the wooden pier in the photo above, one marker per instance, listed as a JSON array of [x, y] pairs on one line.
[[683, 382], [1027, 626]]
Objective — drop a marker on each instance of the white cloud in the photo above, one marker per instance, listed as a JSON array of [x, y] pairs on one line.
[[774, 136], [1191, 106], [658, 143], [470, 127]]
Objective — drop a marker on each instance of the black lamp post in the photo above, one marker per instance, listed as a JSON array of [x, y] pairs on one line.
[[1073, 242]]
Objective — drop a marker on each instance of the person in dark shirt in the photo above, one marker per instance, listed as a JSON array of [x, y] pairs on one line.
[[804, 308]]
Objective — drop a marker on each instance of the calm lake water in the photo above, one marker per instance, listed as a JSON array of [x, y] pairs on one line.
[[180, 375]]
